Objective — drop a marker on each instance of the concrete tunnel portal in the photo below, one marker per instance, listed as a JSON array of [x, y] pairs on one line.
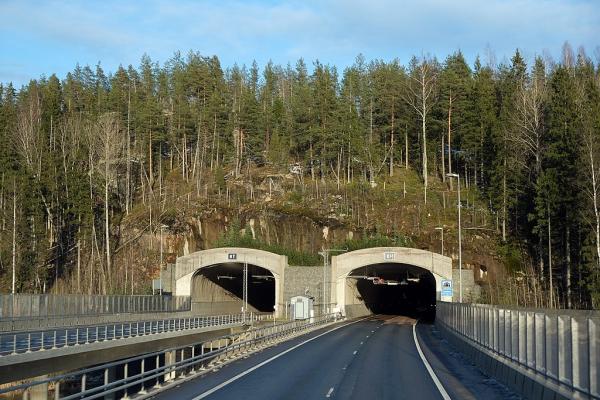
[[390, 280], [396, 289], [218, 289], [214, 280], [409, 280]]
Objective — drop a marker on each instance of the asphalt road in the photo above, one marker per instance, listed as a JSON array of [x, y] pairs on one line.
[[370, 359]]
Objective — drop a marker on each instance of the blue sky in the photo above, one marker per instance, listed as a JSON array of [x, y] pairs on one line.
[[44, 37]]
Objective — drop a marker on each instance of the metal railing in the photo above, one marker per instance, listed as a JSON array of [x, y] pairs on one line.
[[560, 346], [27, 342], [157, 369], [21, 306]]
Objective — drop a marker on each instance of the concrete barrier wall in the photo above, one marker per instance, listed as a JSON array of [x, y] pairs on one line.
[[219, 307], [10, 325], [549, 354], [29, 306]]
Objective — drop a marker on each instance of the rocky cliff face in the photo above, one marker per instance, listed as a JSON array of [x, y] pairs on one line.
[[292, 231], [321, 215]]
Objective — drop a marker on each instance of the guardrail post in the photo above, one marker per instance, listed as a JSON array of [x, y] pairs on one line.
[[125, 376], [39, 391], [193, 366], [142, 370], [565, 350], [530, 341], [170, 359], [502, 329], [522, 337], [514, 335], [540, 342], [109, 375], [594, 351], [157, 366], [551, 346], [83, 382], [581, 355]]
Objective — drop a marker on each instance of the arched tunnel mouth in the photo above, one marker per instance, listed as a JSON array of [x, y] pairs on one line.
[[230, 278], [397, 289]]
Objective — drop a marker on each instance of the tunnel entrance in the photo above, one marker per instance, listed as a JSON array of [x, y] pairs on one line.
[[218, 289], [396, 289]]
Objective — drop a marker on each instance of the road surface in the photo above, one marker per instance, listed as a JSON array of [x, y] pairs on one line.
[[376, 358]]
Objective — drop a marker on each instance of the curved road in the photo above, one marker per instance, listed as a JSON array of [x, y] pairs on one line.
[[371, 359]]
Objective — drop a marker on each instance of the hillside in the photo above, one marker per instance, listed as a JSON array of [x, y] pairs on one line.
[[286, 213], [95, 166]]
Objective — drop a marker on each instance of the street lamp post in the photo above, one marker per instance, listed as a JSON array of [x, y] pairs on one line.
[[441, 229], [460, 290], [325, 255], [163, 226]]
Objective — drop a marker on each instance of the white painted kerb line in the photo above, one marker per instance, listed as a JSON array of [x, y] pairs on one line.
[[257, 366], [434, 377]]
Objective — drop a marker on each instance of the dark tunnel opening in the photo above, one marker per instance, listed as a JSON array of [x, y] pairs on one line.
[[230, 277], [397, 289]]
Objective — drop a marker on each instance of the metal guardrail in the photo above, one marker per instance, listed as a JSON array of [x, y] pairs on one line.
[[560, 347], [27, 306], [27, 342], [155, 369]]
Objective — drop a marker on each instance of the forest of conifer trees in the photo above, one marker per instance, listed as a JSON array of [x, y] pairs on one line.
[[79, 154]]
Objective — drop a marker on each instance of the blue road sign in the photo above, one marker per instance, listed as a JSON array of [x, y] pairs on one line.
[[447, 288]]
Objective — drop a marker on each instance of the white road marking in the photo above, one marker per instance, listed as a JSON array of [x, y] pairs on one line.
[[329, 393], [257, 366], [361, 342], [355, 351], [434, 377]]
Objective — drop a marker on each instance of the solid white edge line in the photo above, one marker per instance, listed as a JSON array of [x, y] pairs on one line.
[[434, 377], [257, 366]]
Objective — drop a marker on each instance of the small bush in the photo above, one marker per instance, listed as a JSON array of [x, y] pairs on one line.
[[376, 240], [233, 238]]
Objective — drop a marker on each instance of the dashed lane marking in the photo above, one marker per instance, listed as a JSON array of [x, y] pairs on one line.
[[257, 366], [355, 351], [329, 393]]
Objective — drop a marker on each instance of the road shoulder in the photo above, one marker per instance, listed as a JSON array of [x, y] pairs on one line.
[[460, 378]]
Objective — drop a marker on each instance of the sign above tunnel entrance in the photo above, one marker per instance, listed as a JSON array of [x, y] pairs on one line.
[[389, 255], [232, 256]]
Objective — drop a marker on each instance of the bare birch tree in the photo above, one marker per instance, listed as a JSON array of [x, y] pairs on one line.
[[591, 150], [527, 140], [419, 95], [107, 145]]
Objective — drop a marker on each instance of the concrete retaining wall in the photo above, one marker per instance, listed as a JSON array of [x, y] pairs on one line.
[[299, 279], [471, 290]]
